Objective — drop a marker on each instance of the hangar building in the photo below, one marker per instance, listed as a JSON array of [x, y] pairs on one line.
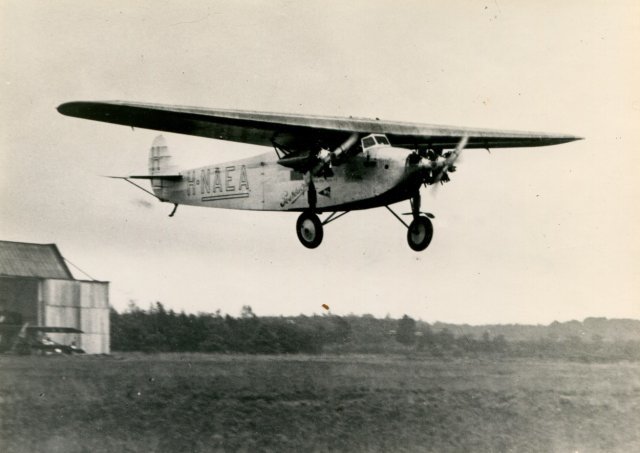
[[36, 283]]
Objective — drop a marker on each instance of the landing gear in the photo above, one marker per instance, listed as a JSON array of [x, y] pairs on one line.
[[420, 233], [420, 230], [309, 226], [309, 229]]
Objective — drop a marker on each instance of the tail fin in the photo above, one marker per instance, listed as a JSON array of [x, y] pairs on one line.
[[163, 173], [160, 161]]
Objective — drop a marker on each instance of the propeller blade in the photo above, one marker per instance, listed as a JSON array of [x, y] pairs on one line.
[[325, 157], [450, 159]]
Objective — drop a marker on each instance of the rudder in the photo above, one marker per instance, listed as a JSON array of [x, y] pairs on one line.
[[160, 160], [161, 165]]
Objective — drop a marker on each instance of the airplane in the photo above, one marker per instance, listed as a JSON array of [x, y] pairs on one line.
[[317, 165]]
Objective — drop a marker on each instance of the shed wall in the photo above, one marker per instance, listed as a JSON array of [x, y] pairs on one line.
[[61, 293], [83, 305], [94, 295]]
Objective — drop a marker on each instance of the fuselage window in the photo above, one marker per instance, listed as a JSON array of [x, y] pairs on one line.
[[368, 142]]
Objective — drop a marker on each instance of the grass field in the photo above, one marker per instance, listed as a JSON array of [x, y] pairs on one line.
[[180, 403]]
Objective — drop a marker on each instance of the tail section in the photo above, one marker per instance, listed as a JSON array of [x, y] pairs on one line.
[[160, 160], [162, 171], [163, 174]]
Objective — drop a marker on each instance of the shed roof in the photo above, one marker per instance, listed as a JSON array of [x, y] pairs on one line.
[[21, 259]]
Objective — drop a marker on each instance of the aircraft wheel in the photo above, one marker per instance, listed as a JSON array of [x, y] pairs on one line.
[[309, 229], [420, 233]]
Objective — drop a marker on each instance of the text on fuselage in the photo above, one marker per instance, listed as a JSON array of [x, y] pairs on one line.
[[218, 180]]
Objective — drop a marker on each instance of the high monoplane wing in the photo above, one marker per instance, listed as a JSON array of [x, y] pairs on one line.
[[296, 132]]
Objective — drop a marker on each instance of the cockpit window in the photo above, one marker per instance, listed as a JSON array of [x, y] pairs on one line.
[[374, 140], [368, 142], [382, 140]]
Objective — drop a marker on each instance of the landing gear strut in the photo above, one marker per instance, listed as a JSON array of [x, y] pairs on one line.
[[420, 230], [309, 229]]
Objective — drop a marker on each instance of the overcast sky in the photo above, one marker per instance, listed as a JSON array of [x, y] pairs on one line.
[[521, 235]]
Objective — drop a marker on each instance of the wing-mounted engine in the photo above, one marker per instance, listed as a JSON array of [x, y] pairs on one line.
[[318, 160], [436, 163]]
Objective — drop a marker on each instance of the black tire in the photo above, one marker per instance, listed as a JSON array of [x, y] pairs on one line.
[[309, 229], [420, 233]]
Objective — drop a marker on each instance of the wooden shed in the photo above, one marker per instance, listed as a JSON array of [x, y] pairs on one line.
[[36, 284]]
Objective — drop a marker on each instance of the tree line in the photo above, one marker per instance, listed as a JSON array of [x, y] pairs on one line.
[[160, 330]]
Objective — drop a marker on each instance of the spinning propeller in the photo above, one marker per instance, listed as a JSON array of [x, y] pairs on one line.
[[325, 157], [322, 166], [441, 164]]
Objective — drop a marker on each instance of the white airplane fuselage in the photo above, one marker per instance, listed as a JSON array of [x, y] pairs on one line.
[[377, 178]]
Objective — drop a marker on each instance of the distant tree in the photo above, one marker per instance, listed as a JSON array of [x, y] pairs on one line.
[[309, 340], [216, 334], [341, 333], [574, 341], [500, 343], [247, 312], [406, 331], [426, 340], [445, 339], [467, 343], [132, 307], [264, 341], [485, 343]]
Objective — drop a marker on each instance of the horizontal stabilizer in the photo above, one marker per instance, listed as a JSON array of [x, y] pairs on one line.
[[161, 177], [158, 177]]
